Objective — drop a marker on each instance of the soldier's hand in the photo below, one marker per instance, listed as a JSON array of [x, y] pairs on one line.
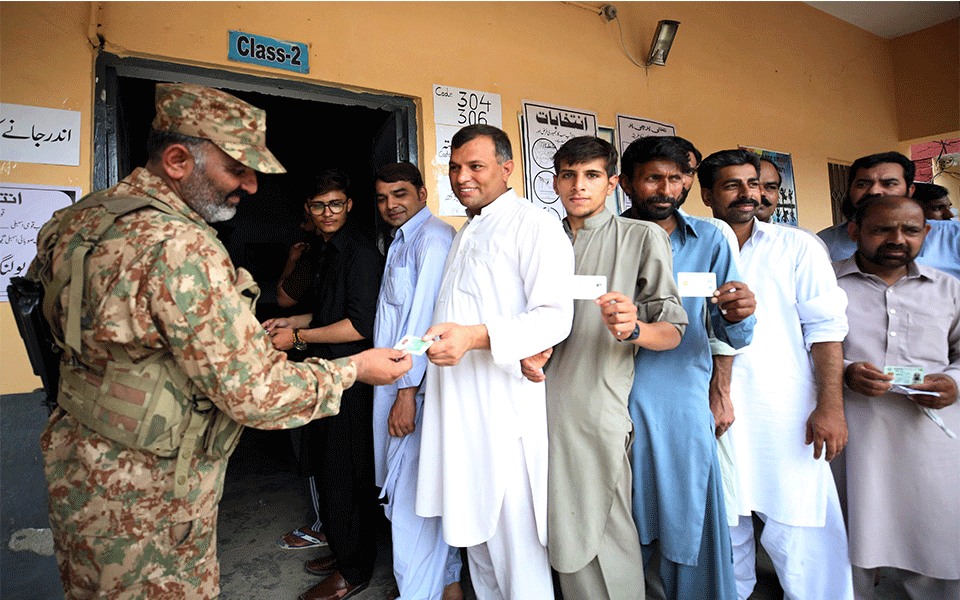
[[532, 366], [282, 338], [736, 301], [403, 414], [827, 429], [866, 379], [381, 366], [619, 314], [945, 387]]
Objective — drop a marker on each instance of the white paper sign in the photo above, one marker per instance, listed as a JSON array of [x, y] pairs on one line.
[[460, 107], [23, 211], [449, 205], [35, 134], [546, 128], [632, 128]]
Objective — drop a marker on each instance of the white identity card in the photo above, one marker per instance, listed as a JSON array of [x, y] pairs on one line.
[[588, 287], [413, 344], [904, 375], [697, 284]]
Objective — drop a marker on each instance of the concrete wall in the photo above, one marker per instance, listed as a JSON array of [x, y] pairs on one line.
[[782, 76]]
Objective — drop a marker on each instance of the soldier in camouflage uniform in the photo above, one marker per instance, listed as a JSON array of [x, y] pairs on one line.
[[128, 522]]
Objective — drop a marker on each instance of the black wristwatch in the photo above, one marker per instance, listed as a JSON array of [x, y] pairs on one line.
[[634, 335], [298, 344]]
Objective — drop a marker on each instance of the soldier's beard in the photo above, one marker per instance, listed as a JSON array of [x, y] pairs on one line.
[[204, 197]]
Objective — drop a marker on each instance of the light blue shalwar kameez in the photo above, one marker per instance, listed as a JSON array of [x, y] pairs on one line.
[[678, 493], [423, 563]]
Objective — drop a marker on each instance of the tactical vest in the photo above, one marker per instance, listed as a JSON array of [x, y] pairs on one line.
[[150, 404]]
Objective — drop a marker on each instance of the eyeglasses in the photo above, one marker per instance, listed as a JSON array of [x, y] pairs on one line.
[[318, 208]]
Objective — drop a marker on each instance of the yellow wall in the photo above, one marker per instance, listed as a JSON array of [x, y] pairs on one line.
[[782, 76], [926, 67]]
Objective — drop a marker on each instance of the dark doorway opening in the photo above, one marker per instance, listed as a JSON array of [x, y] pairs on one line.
[[309, 128]]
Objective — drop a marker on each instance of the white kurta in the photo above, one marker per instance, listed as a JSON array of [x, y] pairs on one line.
[[508, 269], [772, 387]]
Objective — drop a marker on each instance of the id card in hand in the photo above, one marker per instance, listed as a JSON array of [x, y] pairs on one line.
[[904, 375], [588, 287], [413, 344], [697, 284]]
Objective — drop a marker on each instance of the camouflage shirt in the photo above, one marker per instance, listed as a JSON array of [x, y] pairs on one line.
[[158, 283]]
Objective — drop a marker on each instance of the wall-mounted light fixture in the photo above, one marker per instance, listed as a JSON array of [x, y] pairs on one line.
[[662, 40]]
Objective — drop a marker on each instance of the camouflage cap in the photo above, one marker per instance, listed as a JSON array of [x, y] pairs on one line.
[[236, 127]]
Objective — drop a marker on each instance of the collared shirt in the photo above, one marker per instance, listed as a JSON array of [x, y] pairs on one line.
[[589, 378], [675, 445], [901, 469], [508, 269], [941, 248], [919, 326], [408, 293], [158, 284], [772, 388], [345, 286]]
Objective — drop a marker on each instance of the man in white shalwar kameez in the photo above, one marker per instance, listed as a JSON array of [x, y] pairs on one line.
[[504, 296], [787, 393], [425, 567]]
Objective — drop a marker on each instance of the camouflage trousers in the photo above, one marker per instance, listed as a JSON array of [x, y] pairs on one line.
[[170, 563]]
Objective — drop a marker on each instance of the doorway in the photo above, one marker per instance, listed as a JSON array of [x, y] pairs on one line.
[[309, 127]]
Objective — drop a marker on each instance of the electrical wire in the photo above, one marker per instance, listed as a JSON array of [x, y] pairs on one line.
[[630, 56]]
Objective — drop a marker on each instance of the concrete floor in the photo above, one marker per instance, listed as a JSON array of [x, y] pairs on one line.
[[262, 500]]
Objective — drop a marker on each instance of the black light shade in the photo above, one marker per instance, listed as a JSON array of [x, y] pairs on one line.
[[662, 40]]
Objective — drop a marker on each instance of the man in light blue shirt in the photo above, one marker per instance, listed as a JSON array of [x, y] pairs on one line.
[[678, 496], [425, 567], [891, 174]]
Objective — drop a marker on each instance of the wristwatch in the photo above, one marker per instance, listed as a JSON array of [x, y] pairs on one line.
[[298, 344], [629, 338]]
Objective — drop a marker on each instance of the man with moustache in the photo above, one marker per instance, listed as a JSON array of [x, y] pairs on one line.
[[722, 353], [164, 361], [902, 470], [425, 567], [769, 197], [678, 500], [589, 480], [688, 176], [338, 453], [770, 181], [504, 296], [891, 174], [787, 394]]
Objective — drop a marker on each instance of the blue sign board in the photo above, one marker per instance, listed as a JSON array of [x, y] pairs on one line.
[[268, 52]]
